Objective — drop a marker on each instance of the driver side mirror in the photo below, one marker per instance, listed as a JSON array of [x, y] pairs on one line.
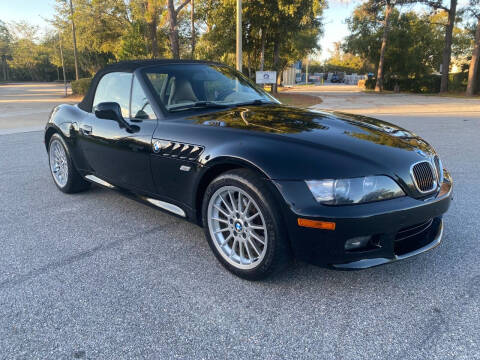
[[109, 111], [112, 111]]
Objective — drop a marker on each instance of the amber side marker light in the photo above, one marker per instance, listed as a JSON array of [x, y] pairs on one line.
[[316, 224]]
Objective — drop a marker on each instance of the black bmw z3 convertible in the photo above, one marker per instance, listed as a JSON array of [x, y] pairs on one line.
[[267, 182]]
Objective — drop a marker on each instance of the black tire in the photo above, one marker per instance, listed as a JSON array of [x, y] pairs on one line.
[[75, 182], [277, 254]]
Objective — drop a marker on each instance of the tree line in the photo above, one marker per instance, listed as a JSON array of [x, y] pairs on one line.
[[275, 33], [411, 44], [390, 38]]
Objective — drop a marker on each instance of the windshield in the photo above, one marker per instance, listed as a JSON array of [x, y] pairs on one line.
[[190, 86]]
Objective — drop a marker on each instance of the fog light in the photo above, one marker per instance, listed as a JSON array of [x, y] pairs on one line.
[[357, 242]]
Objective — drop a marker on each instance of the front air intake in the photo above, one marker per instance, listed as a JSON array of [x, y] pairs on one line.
[[424, 177]]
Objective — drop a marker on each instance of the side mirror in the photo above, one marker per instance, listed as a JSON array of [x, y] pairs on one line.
[[111, 111]]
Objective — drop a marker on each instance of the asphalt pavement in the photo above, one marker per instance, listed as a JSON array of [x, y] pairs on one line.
[[100, 276]]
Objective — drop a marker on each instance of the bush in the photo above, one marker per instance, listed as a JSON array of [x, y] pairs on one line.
[[370, 83], [458, 82], [423, 85], [80, 86]]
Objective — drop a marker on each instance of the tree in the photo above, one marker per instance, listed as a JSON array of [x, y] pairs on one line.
[[5, 47], [373, 7], [447, 50], [172, 24], [192, 23], [100, 28], [474, 62], [295, 28], [74, 38], [343, 61], [386, 29], [414, 46], [279, 32], [152, 13], [30, 58]]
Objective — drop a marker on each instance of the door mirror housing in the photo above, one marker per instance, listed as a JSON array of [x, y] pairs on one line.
[[111, 111], [108, 111]]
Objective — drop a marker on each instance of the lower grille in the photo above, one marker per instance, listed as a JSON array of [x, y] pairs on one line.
[[414, 237], [424, 176], [413, 230]]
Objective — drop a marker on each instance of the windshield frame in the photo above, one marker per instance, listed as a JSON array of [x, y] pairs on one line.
[[197, 110]]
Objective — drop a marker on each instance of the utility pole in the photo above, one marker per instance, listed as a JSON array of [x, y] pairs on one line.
[[63, 65], [262, 52], [306, 73], [239, 35], [192, 20], [74, 42]]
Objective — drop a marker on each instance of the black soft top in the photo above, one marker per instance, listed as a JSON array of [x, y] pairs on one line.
[[128, 66]]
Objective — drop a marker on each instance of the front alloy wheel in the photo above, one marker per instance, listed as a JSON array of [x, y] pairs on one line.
[[237, 227], [243, 225]]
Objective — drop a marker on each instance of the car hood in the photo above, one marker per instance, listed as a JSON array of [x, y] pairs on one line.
[[354, 134]]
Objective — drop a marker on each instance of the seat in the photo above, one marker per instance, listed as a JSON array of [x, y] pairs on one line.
[[181, 92]]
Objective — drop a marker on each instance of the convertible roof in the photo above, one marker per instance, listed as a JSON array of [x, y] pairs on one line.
[[128, 66]]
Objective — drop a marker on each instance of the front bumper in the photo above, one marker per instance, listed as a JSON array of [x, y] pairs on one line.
[[400, 228], [436, 235]]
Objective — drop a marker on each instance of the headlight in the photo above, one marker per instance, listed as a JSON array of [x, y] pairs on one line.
[[354, 191]]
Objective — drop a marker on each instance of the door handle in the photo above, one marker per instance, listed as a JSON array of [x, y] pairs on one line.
[[86, 129]]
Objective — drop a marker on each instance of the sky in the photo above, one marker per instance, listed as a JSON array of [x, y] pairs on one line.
[[335, 28], [32, 11]]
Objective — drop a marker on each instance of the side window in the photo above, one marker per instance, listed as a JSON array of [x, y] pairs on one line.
[[114, 87], [140, 107]]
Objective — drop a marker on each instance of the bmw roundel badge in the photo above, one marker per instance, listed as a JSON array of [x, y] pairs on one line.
[[157, 146]]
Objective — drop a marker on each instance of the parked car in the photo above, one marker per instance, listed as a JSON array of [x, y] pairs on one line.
[[336, 78], [266, 181]]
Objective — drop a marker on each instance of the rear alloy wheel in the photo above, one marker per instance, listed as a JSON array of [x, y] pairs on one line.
[[58, 163], [243, 226], [63, 171]]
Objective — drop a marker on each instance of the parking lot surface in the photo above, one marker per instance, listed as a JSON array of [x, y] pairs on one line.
[[99, 276], [25, 106]]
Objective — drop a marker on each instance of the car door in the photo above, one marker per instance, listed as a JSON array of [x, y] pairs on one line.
[[114, 153]]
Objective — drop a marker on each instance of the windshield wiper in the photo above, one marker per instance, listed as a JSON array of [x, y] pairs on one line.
[[199, 105], [254, 102]]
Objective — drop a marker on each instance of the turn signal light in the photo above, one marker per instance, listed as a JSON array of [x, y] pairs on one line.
[[325, 225]]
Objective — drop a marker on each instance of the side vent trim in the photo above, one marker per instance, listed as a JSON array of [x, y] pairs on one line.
[[99, 181], [167, 206], [177, 150]]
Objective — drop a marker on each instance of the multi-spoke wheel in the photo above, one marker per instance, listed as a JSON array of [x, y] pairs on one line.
[[58, 162], [243, 226], [237, 226], [63, 172]]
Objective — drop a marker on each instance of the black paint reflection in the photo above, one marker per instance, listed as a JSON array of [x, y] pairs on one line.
[[265, 118]]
